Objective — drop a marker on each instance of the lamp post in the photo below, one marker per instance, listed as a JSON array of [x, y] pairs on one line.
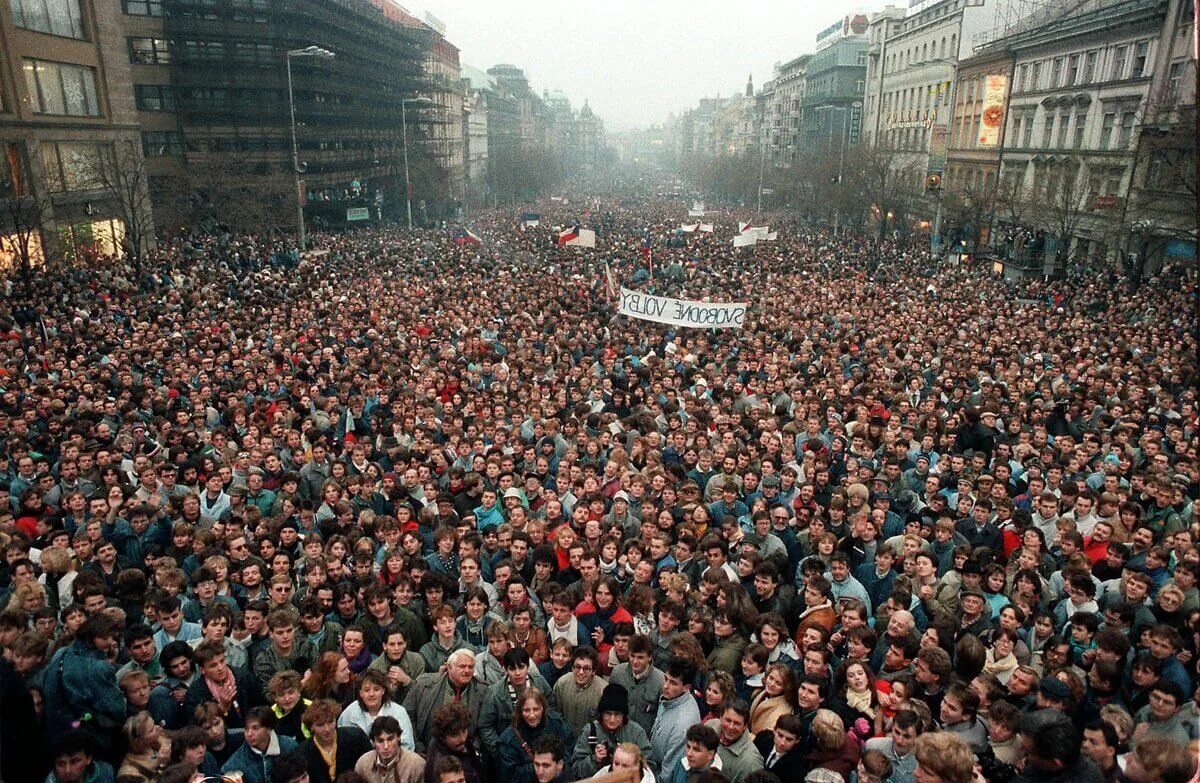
[[419, 101], [308, 51]]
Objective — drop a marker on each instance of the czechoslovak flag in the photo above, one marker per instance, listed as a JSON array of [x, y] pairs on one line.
[[464, 236], [577, 237]]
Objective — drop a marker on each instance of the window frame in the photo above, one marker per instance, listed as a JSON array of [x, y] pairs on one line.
[[22, 9]]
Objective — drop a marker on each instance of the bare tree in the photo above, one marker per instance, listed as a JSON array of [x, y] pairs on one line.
[[25, 224], [883, 180], [242, 190], [121, 176], [971, 205], [1162, 203]]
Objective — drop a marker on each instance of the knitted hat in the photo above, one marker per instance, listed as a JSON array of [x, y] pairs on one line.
[[614, 699]]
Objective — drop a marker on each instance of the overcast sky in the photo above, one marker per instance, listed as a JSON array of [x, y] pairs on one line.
[[633, 61]]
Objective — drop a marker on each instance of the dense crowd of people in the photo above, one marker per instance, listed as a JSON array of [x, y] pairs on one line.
[[412, 510]]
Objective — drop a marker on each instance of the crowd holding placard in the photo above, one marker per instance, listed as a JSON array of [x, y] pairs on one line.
[[411, 510]]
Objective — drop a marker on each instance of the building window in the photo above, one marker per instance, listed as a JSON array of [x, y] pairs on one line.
[[1141, 60], [1106, 130], [56, 17], [155, 97], [74, 166], [1022, 77], [1056, 72], [1027, 136], [1064, 121], [1174, 82], [1048, 131], [1080, 126], [149, 51], [142, 7], [1035, 76], [1072, 70], [12, 171], [862, 58], [161, 143], [1089, 67], [1120, 56], [1126, 139], [61, 88]]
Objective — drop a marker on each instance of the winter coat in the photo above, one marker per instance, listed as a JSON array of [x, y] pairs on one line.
[[471, 761], [355, 716], [79, 680], [583, 761], [431, 691], [739, 759], [726, 655], [248, 695], [644, 694], [351, 745], [254, 766], [496, 714], [514, 754], [408, 768], [669, 736], [766, 711], [578, 705]]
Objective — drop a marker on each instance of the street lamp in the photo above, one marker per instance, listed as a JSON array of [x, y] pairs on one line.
[[308, 51], [418, 101]]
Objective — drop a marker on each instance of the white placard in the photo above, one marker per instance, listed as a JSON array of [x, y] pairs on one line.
[[682, 312]]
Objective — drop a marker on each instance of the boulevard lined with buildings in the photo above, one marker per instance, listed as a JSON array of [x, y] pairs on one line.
[[1090, 111]]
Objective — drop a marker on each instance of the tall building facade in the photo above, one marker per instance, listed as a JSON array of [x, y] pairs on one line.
[[67, 116], [779, 109], [834, 85], [1081, 92]]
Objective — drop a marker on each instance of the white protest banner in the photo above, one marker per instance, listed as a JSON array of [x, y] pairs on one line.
[[707, 228], [682, 312], [770, 237], [685, 228], [744, 240], [698, 206], [695, 213]]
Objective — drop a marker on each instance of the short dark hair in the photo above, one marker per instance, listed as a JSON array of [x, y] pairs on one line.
[[1052, 734], [548, 744], [703, 735], [289, 767], [385, 724], [74, 741], [681, 669]]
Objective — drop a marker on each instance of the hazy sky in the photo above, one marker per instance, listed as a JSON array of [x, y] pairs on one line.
[[635, 62]]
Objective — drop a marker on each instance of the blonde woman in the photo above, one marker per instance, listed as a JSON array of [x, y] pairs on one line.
[[148, 749]]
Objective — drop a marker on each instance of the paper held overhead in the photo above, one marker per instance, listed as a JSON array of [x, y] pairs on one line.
[[745, 240]]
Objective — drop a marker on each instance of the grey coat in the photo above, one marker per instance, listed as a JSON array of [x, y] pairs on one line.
[[431, 691], [497, 711], [644, 694], [583, 760]]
